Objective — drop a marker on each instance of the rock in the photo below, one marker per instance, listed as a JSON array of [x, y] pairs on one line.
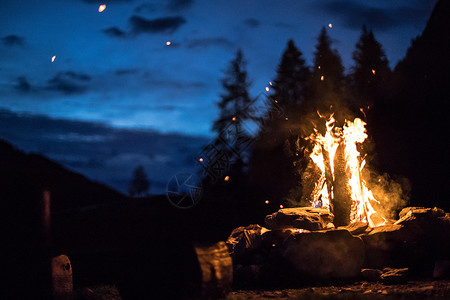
[[325, 255], [394, 276], [216, 270], [244, 241], [356, 228], [247, 276], [309, 218], [430, 212], [371, 274], [62, 284]]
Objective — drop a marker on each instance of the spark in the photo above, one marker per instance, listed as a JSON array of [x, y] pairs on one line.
[[267, 202], [101, 8], [373, 71], [322, 78], [234, 119], [168, 43], [270, 82], [267, 88], [318, 67], [200, 159], [281, 206], [226, 178], [330, 25], [287, 119], [53, 58]]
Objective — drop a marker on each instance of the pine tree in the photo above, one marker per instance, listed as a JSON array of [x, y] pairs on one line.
[[371, 71], [272, 171], [227, 156], [327, 90], [139, 183]]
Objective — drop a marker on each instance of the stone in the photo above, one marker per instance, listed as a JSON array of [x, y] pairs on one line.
[[325, 255], [62, 283], [216, 270], [356, 227], [309, 218], [395, 276], [244, 241]]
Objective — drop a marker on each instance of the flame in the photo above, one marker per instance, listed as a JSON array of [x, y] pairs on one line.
[[373, 71], [322, 77], [101, 8], [323, 155], [226, 178]]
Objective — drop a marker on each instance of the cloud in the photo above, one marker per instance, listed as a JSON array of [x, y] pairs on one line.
[[208, 42], [160, 25], [69, 82], [103, 153], [115, 32], [252, 23], [356, 14], [13, 40], [22, 85]]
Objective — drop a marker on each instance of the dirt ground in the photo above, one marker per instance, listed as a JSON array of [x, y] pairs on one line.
[[412, 290]]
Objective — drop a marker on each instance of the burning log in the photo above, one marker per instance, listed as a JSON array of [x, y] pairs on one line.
[[341, 200]]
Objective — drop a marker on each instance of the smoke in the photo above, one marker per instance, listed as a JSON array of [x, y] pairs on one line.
[[392, 194]]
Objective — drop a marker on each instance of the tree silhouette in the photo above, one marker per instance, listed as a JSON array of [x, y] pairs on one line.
[[327, 91], [227, 156], [272, 170], [371, 71], [139, 183]]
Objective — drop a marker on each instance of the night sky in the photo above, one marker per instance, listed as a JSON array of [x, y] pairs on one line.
[[116, 67]]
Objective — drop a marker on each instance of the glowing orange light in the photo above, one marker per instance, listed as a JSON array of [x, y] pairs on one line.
[[330, 25], [267, 88], [53, 58], [281, 206], [101, 8], [287, 119], [200, 159], [267, 202], [168, 43], [270, 82], [227, 178], [318, 67], [234, 119], [322, 77], [273, 245], [373, 71], [276, 101]]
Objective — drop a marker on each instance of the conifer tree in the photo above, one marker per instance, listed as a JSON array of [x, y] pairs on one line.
[[272, 171], [371, 70], [139, 184]]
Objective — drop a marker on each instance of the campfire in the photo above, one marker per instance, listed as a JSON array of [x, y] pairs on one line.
[[341, 187]]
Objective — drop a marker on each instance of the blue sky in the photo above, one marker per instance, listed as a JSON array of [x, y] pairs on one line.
[[115, 66], [117, 95]]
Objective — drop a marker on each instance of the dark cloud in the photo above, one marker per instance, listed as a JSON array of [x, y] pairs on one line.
[[103, 153], [208, 42], [123, 72], [22, 85], [115, 32], [13, 40], [160, 25], [252, 23], [69, 82], [356, 14]]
